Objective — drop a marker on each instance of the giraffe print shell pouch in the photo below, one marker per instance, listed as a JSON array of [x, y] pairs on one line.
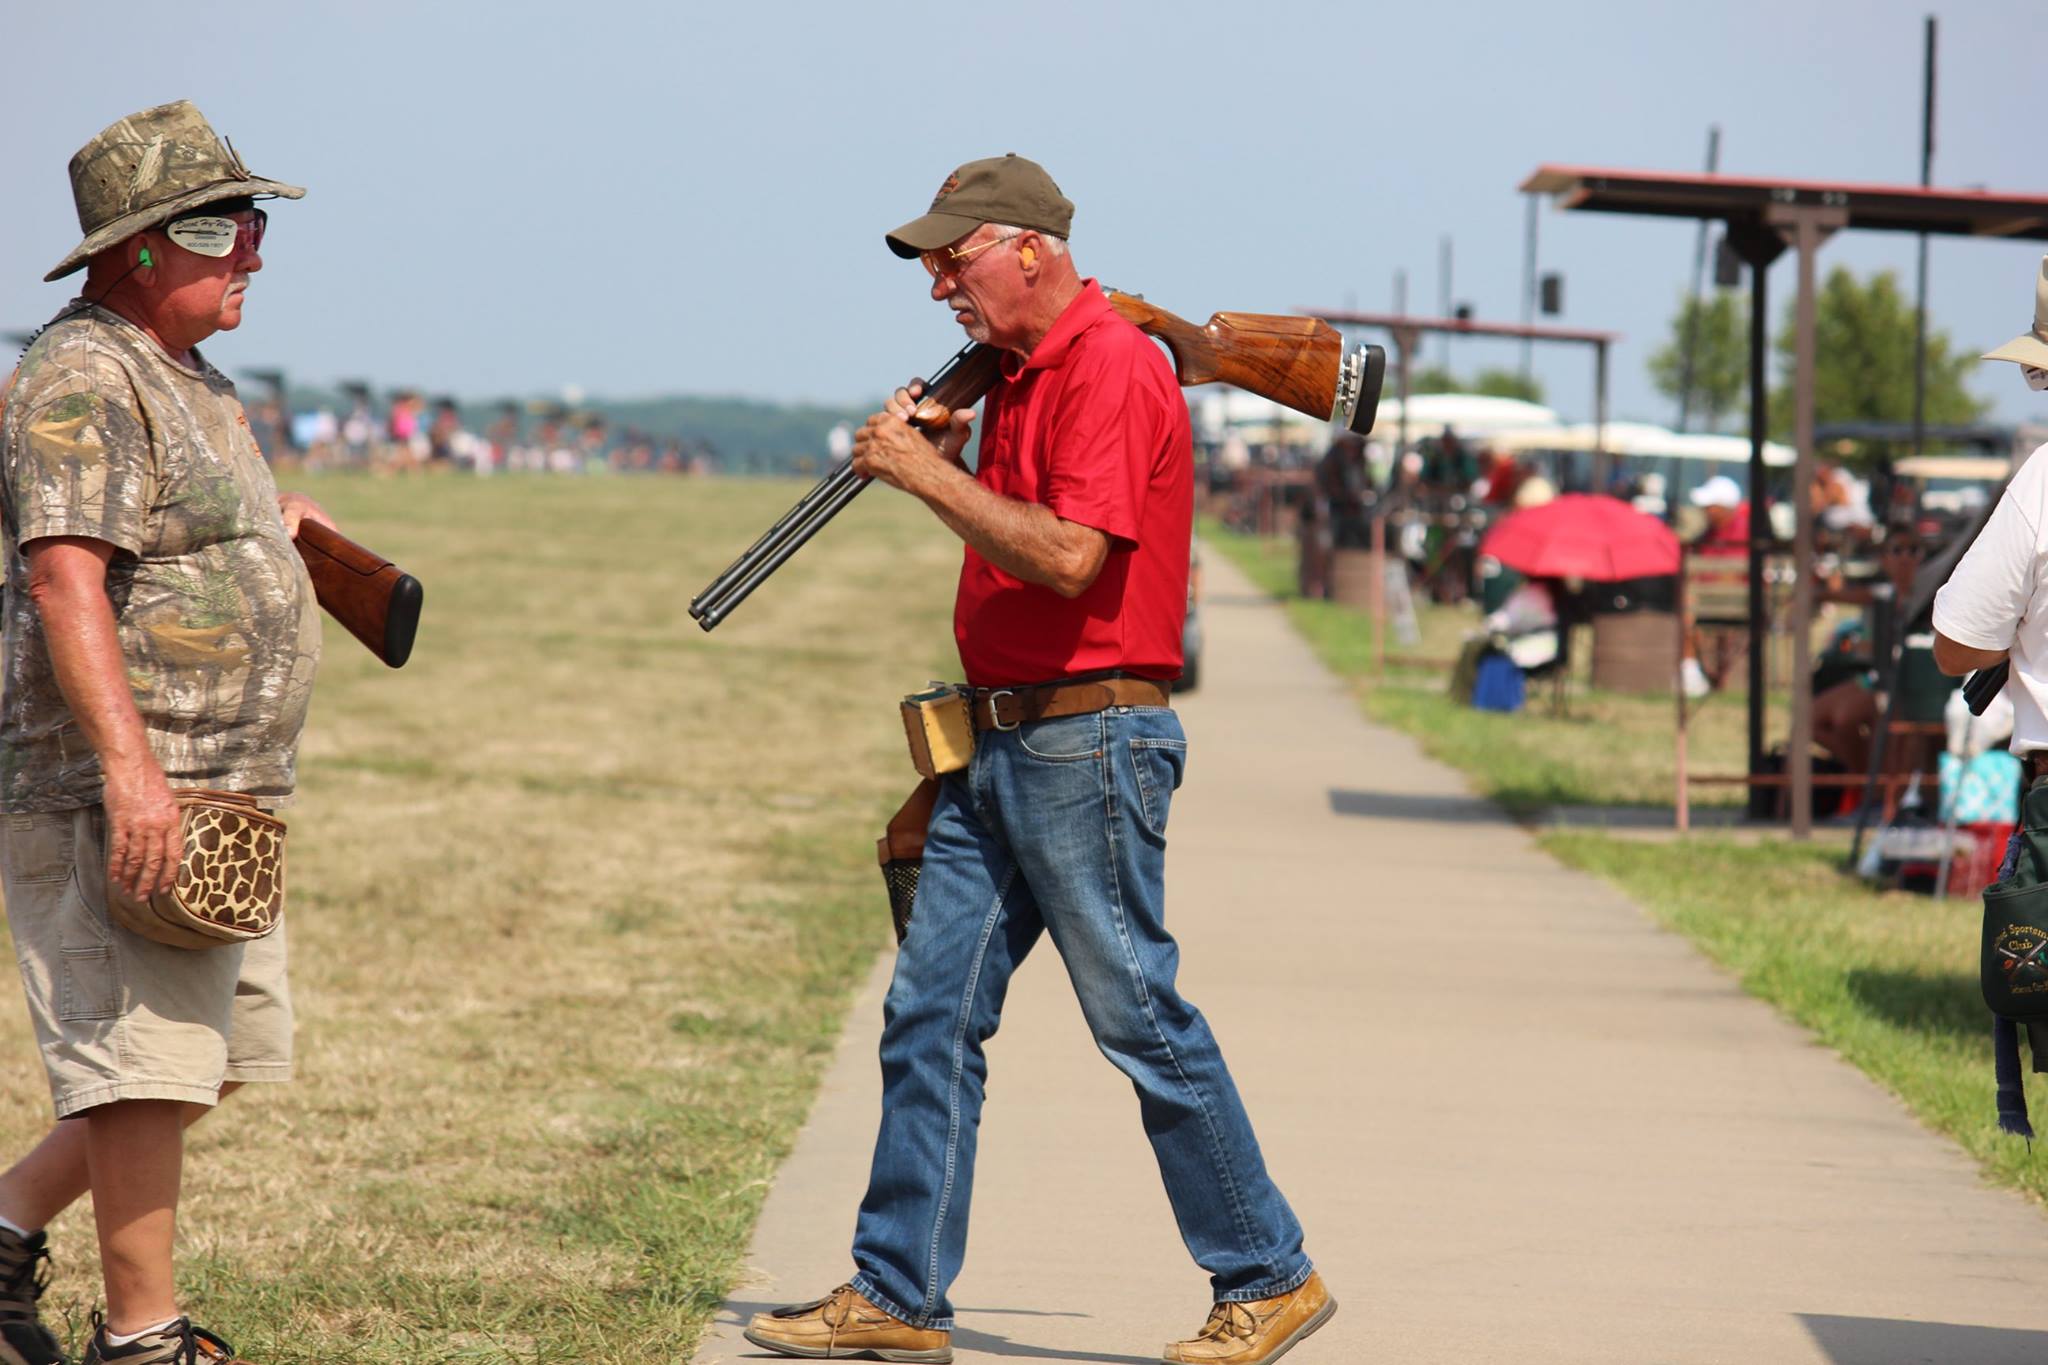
[[230, 885]]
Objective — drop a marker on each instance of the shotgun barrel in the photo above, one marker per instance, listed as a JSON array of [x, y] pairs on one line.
[[804, 505], [1984, 685], [960, 383]]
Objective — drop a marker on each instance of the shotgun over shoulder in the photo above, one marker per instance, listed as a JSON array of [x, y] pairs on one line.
[[1293, 360]]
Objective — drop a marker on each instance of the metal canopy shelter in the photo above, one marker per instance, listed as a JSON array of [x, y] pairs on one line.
[[1764, 216], [1408, 332]]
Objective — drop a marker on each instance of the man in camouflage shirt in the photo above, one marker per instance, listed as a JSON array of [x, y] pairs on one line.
[[160, 632]]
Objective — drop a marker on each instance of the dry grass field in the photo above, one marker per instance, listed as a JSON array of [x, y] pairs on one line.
[[578, 899]]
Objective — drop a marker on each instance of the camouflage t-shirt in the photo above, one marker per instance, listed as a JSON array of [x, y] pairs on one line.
[[105, 436]]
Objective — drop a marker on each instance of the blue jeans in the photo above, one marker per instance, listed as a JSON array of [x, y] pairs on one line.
[[1058, 826]]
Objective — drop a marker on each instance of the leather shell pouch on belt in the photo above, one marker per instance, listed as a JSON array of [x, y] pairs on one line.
[[940, 729], [230, 886]]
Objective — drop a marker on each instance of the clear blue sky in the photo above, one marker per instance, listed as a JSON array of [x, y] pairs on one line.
[[641, 197]]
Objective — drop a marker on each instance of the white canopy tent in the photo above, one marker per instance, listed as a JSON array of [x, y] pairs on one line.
[[1219, 412], [1468, 414], [1976, 468], [1640, 439]]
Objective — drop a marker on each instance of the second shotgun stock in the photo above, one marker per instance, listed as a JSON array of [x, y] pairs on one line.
[[377, 601]]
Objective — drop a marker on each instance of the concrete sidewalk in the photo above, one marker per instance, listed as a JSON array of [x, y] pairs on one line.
[[1519, 1122]]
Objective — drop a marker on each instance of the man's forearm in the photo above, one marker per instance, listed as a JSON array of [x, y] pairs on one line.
[[85, 655], [1955, 659], [1021, 538]]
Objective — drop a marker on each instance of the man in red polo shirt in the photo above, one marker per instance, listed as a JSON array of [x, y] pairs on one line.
[[1076, 523]]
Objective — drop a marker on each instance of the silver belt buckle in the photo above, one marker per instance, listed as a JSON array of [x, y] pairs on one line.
[[995, 715]]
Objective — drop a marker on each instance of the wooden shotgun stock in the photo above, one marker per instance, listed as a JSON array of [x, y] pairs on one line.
[[1297, 362], [379, 603]]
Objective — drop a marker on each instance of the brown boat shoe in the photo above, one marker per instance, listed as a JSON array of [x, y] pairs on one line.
[[845, 1326], [1256, 1332], [181, 1343]]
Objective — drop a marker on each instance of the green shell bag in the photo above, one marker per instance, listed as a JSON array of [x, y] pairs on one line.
[[2014, 968], [2013, 963]]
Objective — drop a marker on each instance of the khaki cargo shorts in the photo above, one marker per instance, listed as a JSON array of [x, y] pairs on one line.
[[119, 1016]]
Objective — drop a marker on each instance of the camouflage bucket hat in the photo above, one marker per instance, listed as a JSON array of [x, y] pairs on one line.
[[998, 189], [149, 168]]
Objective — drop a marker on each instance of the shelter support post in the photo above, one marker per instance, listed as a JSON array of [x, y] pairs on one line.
[[1681, 805], [1806, 228], [1379, 588], [1602, 474], [1406, 339], [1758, 248]]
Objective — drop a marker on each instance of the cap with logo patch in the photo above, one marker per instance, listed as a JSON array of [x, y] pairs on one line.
[[998, 189]]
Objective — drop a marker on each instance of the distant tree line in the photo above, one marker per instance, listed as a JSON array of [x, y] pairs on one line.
[[1494, 383], [1863, 359]]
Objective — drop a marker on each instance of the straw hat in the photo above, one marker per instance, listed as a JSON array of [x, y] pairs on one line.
[[149, 168], [2030, 348]]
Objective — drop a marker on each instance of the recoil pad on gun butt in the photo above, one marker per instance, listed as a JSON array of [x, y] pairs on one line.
[[1358, 389]]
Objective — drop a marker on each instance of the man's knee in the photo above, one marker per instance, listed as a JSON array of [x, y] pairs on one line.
[[131, 1120], [196, 1112]]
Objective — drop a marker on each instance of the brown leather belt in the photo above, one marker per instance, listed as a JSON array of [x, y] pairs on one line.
[[2033, 763], [1006, 708]]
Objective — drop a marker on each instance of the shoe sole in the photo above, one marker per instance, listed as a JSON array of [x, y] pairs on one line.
[[1294, 1338], [942, 1356]]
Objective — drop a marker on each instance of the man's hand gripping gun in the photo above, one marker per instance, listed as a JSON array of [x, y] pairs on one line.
[[1297, 362]]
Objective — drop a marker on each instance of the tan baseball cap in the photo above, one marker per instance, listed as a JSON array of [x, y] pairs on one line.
[[149, 168], [2030, 348], [998, 189]]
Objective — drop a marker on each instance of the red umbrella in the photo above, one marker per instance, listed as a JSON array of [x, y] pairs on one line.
[[1581, 535]]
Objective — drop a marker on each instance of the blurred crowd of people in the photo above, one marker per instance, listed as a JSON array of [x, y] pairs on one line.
[[1439, 498], [1876, 532], [413, 433]]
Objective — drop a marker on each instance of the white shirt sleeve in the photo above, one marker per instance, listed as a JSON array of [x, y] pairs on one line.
[[1986, 598]]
